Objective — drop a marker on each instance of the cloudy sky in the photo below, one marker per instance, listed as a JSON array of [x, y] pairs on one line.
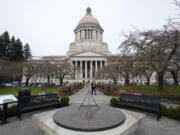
[[47, 25]]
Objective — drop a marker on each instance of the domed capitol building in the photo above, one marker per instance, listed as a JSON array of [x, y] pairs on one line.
[[87, 54]]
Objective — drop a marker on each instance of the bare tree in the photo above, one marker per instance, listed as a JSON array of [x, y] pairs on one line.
[[177, 3], [126, 67], [157, 47], [174, 67], [11, 71], [30, 69], [47, 68], [63, 70], [119, 66], [146, 71], [110, 71]]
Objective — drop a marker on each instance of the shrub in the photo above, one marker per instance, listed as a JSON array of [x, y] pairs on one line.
[[65, 101], [114, 102], [171, 112]]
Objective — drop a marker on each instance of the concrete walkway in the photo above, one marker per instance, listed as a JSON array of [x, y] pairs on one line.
[[148, 126], [78, 98]]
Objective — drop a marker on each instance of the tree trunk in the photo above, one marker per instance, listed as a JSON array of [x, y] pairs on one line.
[[148, 80], [160, 81], [48, 79], [61, 81], [27, 81], [175, 77], [127, 80], [115, 82]]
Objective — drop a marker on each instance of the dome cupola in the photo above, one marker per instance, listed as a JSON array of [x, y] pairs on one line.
[[88, 28], [88, 18]]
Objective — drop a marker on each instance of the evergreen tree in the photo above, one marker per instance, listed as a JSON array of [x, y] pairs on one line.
[[18, 51], [27, 52], [4, 43], [11, 49]]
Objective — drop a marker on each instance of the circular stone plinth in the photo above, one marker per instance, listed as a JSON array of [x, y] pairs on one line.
[[89, 119]]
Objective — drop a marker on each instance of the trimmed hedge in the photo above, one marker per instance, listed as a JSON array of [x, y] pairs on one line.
[[171, 112], [114, 102], [65, 101]]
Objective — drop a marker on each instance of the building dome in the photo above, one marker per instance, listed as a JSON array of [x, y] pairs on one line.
[[88, 18]]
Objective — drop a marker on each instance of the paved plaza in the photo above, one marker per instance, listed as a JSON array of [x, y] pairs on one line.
[[148, 126]]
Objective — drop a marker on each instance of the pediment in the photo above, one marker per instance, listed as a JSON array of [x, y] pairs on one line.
[[88, 54]]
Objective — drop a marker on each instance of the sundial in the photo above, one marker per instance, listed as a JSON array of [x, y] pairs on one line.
[[88, 116], [90, 101]]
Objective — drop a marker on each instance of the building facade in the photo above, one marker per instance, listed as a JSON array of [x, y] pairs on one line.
[[88, 52]]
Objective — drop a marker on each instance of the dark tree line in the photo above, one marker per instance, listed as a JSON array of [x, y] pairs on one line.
[[12, 49], [12, 56]]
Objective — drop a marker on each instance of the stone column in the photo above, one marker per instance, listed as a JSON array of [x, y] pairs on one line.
[[100, 64], [79, 35], [95, 66], [93, 34], [91, 69], [96, 35], [83, 34], [85, 69]]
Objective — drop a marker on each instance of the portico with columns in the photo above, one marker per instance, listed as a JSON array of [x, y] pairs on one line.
[[87, 54], [86, 67]]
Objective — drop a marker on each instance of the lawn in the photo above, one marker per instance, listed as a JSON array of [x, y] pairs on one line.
[[34, 90], [150, 87]]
